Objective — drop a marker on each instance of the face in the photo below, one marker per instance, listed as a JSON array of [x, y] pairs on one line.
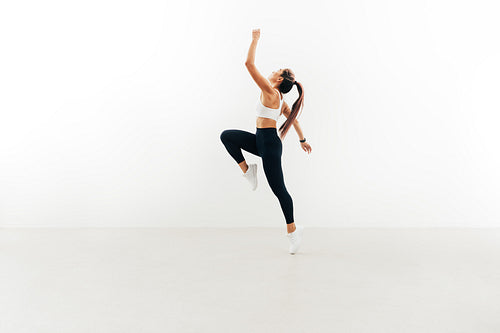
[[276, 76]]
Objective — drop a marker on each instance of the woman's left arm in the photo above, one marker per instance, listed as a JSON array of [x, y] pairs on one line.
[[298, 129], [305, 146]]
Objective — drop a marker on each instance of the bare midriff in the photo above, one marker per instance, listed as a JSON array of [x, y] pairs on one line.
[[266, 122]]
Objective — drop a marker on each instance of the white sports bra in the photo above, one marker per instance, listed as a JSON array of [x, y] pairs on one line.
[[265, 112]]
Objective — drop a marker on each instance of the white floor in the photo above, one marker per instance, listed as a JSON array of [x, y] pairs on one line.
[[244, 280]]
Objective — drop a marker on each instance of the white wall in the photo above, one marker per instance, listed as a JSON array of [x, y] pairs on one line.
[[111, 112]]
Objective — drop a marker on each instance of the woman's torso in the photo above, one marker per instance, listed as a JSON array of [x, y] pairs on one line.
[[267, 122]]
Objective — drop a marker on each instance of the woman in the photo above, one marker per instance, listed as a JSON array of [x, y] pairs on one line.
[[266, 143]]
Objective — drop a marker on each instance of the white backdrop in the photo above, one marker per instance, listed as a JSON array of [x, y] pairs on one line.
[[111, 112]]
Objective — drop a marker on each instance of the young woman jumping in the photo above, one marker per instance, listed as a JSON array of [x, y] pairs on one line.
[[266, 143]]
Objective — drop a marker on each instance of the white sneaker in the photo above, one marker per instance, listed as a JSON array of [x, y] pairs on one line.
[[251, 175], [295, 238]]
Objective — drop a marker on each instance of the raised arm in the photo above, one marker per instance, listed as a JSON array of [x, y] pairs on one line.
[[261, 81]]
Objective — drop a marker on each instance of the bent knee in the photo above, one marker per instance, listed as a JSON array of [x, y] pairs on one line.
[[224, 135]]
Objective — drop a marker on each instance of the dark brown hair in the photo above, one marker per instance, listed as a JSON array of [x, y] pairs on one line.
[[285, 86]]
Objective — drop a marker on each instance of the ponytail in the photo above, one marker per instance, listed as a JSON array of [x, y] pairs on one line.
[[297, 105]]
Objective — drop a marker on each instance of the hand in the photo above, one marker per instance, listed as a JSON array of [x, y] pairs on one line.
[[255, 34], [306, 147]]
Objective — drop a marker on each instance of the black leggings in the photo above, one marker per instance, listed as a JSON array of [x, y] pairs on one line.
[[267, 144]]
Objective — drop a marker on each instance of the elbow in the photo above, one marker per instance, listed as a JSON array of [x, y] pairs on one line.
[[248, 63]]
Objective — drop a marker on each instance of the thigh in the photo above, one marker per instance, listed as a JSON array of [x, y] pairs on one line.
[[271, 150], [243, 139]]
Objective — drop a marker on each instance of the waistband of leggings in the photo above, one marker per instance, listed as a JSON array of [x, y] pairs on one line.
[[266, 129]]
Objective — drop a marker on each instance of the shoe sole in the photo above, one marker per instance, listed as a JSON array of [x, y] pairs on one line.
[[255, 176], [252, 168]]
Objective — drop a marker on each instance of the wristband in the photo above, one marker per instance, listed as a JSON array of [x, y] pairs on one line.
[[303, 140]]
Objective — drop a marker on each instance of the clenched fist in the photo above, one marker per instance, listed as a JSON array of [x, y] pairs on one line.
[[255, 34]]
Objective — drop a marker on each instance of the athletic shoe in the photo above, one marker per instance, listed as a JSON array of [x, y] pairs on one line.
[[295, 238], [251, 175]]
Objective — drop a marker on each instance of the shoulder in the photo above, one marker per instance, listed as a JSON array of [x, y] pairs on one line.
[[278, 93], [285, 109], [275, 93]]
